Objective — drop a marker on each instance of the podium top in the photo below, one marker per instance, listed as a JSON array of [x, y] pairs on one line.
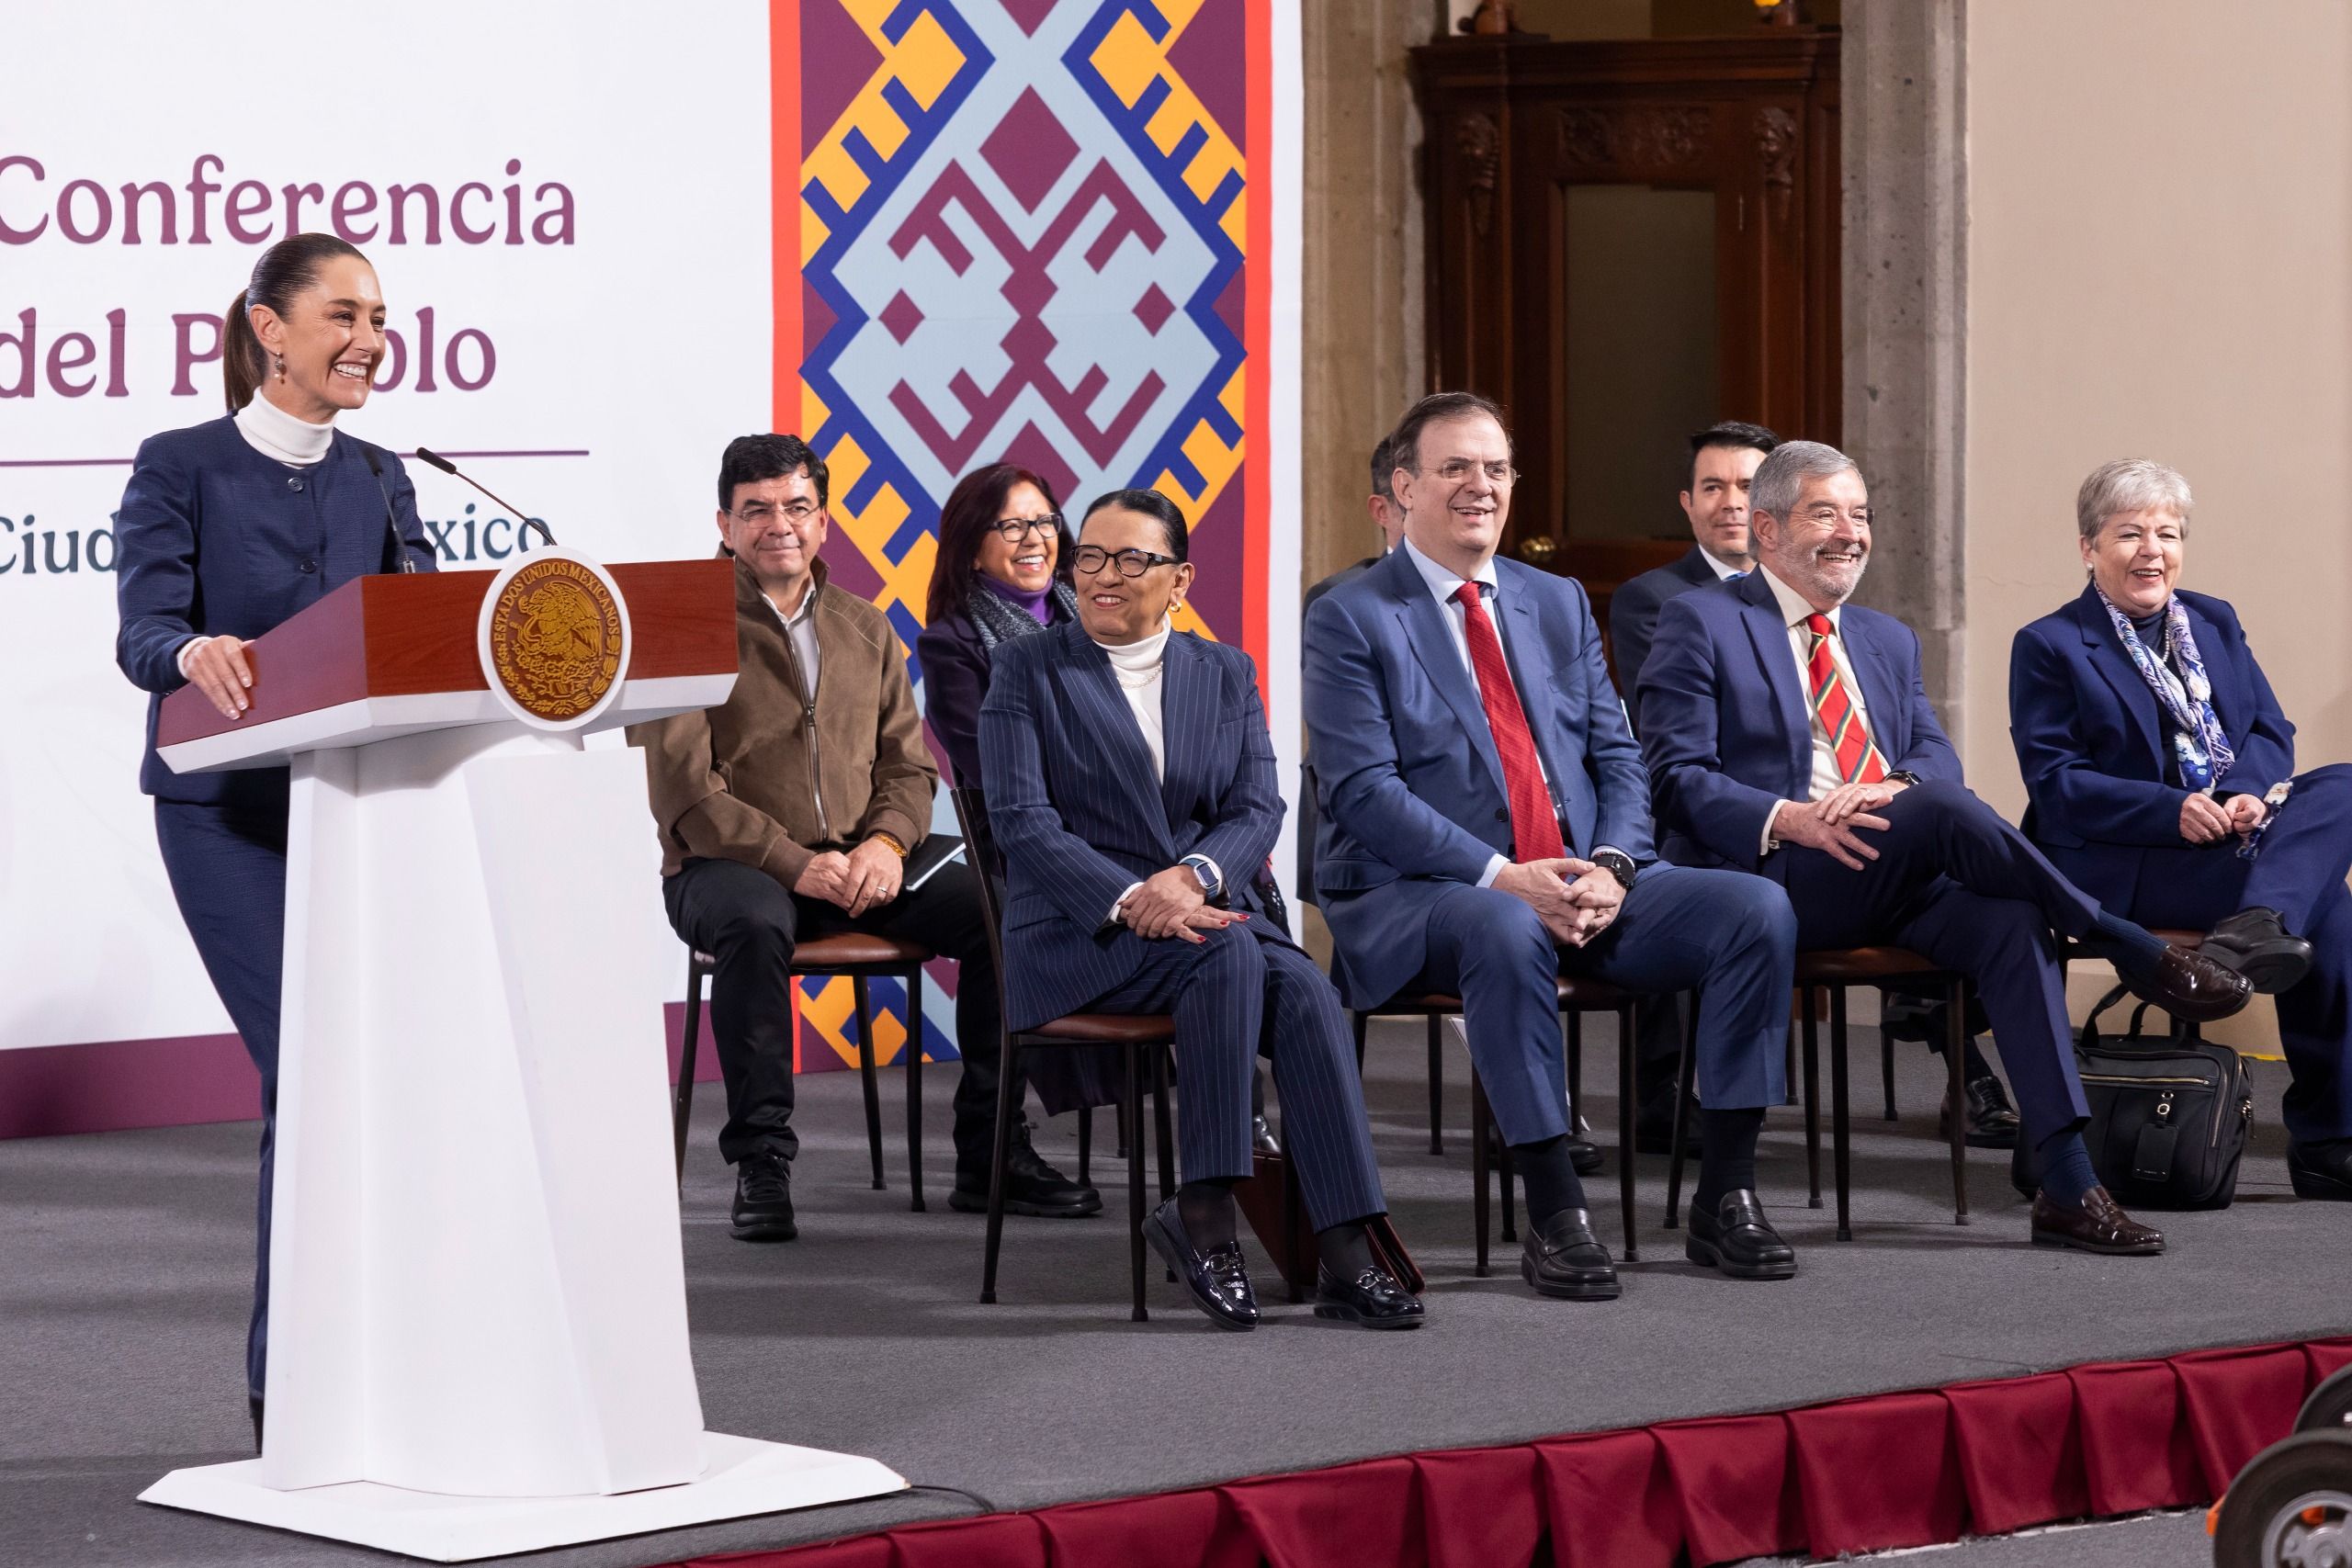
[[394, 654]]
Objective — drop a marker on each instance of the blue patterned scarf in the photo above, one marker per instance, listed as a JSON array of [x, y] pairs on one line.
[[2198, 740]]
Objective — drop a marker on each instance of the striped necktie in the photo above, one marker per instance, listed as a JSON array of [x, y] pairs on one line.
[[1833, 709]]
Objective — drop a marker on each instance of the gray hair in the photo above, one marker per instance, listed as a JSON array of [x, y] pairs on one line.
[[1781, 475], [2129, 484]]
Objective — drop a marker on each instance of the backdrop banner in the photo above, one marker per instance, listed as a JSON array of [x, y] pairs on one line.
[[924, 235]]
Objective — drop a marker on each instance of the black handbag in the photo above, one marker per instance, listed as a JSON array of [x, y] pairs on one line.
[[2169, 1114]]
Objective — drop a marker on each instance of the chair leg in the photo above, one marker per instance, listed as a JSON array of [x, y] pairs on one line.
[[1789, 1067], [1293, 1224], [1085, 1146], [914, 1087], [1161, 1128], [1133, 1140], [1478, 1124], [1577, 1123], [1812, 1101], [1437, 1087], [1359, 1022], [1506, 1178], [1886, 1070], [1956, 1059], [1674, 1158], [866, 1079], [1625, 1126], [682, 1098], [1841, 1139], [1000, 1150], [1119, 1123]]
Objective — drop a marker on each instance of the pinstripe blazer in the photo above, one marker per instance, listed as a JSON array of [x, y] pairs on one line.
[[1079, 818]]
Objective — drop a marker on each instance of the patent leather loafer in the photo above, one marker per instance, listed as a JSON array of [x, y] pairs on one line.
[[1216, 1281], [1564, 1259], [1736, 1238], [763, 1210], [2322, 1171], [1373, 1298], [2254, 943], [1992, 1121], [2190, 986], [2096, 1224]]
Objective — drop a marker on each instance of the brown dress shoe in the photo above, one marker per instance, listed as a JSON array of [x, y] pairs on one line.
[[2190, 986], [2096, 1224]]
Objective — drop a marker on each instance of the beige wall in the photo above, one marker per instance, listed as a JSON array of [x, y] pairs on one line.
[[2160, 264]]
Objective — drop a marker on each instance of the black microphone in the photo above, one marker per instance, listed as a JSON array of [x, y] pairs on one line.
[[392, 522], [521, 522]]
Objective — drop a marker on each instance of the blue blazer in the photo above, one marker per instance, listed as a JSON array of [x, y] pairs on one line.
[[1727, 730], [2093, 746], [1078, 817], [214, 538], [1406, 774]]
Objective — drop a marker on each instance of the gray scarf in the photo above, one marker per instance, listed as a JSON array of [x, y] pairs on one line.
[[996, 621]]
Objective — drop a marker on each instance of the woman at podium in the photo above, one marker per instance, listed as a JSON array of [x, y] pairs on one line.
[[228, 529]]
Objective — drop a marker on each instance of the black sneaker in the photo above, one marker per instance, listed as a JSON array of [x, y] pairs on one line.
[[764, 1199], [1031, 1187]]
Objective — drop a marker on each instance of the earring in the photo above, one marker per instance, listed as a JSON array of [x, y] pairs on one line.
[[280, 360]]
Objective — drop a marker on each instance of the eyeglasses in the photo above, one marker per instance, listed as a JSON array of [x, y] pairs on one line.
[[1092, 558], [796, 514], [1012, 530], [1455, 470]]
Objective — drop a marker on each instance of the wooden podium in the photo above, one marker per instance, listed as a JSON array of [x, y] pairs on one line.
[[478, 1328]]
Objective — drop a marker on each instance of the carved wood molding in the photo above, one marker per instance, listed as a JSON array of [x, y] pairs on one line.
[[1775, 130], [1632, 141], [1477, 152]]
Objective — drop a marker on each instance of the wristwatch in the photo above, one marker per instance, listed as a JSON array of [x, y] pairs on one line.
[[1619, 866], [1904, 776], [1199, 865]]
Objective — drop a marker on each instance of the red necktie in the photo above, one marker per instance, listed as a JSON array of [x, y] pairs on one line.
[[1849, 737], [1534, 827]]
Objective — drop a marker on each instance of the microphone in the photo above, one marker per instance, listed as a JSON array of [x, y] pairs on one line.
[[451, 468], [392, 522]]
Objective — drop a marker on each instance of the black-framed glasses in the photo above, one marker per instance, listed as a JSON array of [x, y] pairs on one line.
[[1092, 558], [1012, 530], [760, 513]]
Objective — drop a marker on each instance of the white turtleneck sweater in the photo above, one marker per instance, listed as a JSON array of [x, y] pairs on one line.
[[1137, 667], [276, 435]]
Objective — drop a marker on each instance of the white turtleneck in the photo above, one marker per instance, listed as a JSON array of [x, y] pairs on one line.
[[1137, 667], [272, 432]]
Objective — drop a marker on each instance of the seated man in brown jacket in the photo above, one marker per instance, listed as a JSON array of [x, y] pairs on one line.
[[784, 814]]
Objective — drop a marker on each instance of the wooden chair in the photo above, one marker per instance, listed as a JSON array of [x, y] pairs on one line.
[[1138, 1036], [859, 958], [1833, 970]]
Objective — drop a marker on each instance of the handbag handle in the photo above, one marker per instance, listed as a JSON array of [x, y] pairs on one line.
[[2089, 1038]]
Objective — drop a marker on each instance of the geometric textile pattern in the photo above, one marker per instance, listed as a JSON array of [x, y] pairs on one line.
[[1023, 235]]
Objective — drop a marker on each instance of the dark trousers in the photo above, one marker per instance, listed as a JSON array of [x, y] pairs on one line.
[[228, 873], [2298, 869], [1237, 996], [750, 924], [1728, 934], [1957, 883]]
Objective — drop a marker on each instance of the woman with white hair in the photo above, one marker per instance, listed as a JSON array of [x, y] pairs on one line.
[[2161, 776]]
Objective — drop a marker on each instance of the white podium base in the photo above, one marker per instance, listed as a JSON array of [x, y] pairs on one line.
[[740, 1476]]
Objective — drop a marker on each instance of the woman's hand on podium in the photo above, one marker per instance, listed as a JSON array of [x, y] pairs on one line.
[[220, 669]]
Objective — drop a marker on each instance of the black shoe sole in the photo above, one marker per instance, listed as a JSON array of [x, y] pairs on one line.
[[1349, 1314], [764, 1230], [2268, 973], [2139, 1250], [1582, 1293], [1707, 1254], [2324, 1189], [964, 1202], [1171, 1252]]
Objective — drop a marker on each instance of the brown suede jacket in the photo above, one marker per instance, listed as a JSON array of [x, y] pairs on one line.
[[770, 778]]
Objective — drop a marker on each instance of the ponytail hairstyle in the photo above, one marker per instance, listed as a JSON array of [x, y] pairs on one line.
[[285, 270]]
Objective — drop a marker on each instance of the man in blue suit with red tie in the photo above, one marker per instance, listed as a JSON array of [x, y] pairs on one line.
[[1789, 734], [1486, 828]]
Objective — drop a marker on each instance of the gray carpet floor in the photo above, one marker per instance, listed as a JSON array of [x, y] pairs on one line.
[[124, 1280]]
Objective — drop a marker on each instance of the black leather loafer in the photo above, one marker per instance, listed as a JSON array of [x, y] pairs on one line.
[[2322, 1171], [1564, 1259], [763, 1208], [1031, 1187], [2096, 1224], [1373, 1299], [1216, 1281], [2254, 943], [1736, 1238], [2189, 985], [1992, 1121], [1584, 1155]]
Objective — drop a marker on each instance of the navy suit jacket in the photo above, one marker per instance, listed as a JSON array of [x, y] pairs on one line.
[[215, 539], [1410, 785], [1634, 611], [2093, 745], [1078, 817], [1727, 730]]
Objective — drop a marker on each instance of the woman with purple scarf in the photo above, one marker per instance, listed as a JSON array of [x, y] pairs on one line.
[[2160, 772]]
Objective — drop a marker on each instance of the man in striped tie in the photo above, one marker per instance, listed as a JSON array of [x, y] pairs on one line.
[[1789, 733]]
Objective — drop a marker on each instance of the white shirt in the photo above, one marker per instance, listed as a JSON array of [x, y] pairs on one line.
[[801, 627], [275, 434], [1137, 665], [1723, 573], [1826, 774]]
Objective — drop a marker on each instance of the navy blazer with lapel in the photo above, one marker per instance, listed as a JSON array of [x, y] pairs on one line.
[[1633, 610], [1727, 730], [2094, 746], [1078, 817], [214, 537], [1407, 775]]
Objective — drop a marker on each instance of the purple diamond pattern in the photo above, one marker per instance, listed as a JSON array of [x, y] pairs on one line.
[[901, 316], [1153, 309], [1029, 150]]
